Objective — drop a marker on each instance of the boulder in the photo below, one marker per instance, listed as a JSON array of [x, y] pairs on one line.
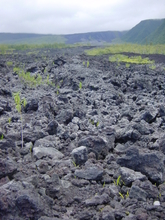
[[95, 144], [150, 164], [90, 172], [79, 155]]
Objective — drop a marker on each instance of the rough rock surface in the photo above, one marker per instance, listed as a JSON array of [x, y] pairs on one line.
[[91, 150]]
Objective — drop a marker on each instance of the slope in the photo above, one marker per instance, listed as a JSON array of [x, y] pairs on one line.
[[158, 37], [141, 32]]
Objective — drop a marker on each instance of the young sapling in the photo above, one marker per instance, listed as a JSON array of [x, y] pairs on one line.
[[19, 103]]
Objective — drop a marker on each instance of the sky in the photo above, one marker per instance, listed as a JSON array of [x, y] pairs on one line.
[[75, 16]]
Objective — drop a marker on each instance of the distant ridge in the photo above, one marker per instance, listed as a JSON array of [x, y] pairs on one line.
[[91, 37], [147, 31]]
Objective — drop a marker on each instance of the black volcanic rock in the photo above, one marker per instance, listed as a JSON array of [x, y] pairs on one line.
[[91, 150]]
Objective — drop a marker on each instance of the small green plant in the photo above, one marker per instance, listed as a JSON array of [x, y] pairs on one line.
[[97, 124], [58, 89], [101, 209], [127, 213], [118, 181], [31, 149], [127, 65], [83, 63], [1, 138], [47, 80], [80, 85], [92, 121], [152, 67], [18, 105], [87, 64], [9, 63], [9, 120], [16, 70], [75, 164], [121, 195], [127, 195], [27, 78]]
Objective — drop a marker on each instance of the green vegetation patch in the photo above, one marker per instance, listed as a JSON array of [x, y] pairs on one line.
[[128, 48], [126, 59], [9, 63], [32, 81]]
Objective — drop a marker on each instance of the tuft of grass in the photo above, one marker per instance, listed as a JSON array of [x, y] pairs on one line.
[[127, 195], [87, 64], [127, 65], [9, 63], [153, 67], [121, 195], [80, 85], [97, 124], [118, 181], [9, 120], [1, 138]]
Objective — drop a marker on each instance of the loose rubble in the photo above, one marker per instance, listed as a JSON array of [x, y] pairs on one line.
[[94, 150]]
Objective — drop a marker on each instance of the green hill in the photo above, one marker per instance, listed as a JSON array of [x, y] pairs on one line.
[[141, 33], [158, 36]]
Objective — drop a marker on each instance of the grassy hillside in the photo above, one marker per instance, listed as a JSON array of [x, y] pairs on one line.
[[159, 35], [141, 32]]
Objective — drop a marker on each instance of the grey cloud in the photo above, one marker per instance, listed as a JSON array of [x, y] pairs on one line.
[[65, 17]]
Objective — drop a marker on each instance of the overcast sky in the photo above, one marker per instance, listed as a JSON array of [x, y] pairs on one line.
[[75, 16]]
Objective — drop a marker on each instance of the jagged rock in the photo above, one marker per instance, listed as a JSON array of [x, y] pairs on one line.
[[148, 117], [20, 199], [52, 127], [65, 116], [79, 155], [129, 176], [97, 200], [6, 144], [41, 152], [108, 216], [33, 135], [53, 186], [137, 193], [150, 164], [127, 135], [32, 105], [95, 144], [90, 172], [161, 111], [8, 167]]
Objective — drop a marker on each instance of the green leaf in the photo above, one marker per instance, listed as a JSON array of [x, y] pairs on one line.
[[118, 181]]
